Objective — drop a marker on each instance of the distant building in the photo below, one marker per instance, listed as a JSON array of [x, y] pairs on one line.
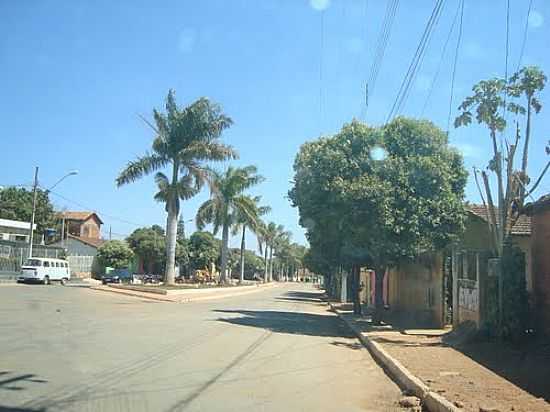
[[15, 230], [81, 240], [82, 224]]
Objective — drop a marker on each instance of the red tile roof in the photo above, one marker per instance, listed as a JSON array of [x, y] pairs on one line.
[[522, 226], [79, 215]]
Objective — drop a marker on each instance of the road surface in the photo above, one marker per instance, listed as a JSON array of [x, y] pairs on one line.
[[278, 349]]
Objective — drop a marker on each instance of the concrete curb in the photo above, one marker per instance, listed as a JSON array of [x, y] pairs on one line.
[[180, 298], [432, 400]]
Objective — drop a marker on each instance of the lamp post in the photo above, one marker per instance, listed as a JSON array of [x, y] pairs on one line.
[[34, 194]]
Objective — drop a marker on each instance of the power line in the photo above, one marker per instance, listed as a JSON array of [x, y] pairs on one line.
[[457, 49], [524, 41], [381, 46], [416, 61], [440, 64]]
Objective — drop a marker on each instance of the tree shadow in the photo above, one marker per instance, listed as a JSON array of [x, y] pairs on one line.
[[526, 367], [295, 323], [15, 409], [13, 383], [354, 345]]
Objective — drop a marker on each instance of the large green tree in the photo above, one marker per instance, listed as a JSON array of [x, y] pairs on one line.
[[16, 204], [185, 138], [115, 253], [375, 196], [204, 249], [228, 204]]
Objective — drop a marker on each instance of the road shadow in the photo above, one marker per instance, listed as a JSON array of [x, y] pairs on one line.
[[308, 297], [295, 323], [14, 409], [13, 382]]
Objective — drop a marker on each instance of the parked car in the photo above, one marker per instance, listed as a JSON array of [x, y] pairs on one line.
[[151, 279], [45, 270], [117, 276]]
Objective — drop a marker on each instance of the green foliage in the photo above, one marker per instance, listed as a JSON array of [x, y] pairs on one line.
[[186, 138], [253, 264], [115, 253], [515, 316], [16, 204], [150, 245], [229, 206], [204, 249], [359, 208]]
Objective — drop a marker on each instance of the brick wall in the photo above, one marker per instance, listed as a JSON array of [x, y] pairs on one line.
[[540, 241]]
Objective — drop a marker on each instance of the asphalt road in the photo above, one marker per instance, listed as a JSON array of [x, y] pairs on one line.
[[277, 349]]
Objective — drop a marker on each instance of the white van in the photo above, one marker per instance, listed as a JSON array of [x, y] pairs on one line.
[[45, 270]]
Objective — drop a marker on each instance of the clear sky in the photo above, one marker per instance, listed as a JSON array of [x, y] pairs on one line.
[[75, 74]]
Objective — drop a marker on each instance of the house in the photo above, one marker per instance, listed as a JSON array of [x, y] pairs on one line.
[[81, 240], [540, 239], [82, 224], [449, 285], [472, 265], [15, 230]]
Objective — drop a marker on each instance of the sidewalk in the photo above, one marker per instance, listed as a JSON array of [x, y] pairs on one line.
[[186, 296], [449, 372]]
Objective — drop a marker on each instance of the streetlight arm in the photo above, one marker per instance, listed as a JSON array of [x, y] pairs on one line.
[[72, 173]]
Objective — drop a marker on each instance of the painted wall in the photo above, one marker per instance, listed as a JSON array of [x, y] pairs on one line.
[[540, 248], [415, 291]]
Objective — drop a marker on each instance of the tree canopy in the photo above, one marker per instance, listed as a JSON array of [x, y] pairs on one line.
[[376, 195], [115, 253], [204, 249], [16, 204]]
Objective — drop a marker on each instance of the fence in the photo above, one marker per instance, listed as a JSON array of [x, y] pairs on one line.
[[81, 266], [14, 254]]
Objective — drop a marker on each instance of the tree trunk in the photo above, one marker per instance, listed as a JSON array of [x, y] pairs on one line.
[[270, 263], [171, 232], [225, 247], [526, 148], [378, 294], [357, 309], [241, 279], [266, 265]]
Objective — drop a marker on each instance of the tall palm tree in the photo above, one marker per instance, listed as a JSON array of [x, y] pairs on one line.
[[272, 236], [253, 222], [227, 203], [185, 138]]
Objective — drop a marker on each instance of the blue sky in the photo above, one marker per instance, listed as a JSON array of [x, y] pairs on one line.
[[75, 74]]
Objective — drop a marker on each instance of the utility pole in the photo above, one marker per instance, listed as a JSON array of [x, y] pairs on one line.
[[33, 209], [110, 234]]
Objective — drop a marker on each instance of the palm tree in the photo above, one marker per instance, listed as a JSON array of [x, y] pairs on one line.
[[184, 140], [227, 204], [253, 222], [273, 235]]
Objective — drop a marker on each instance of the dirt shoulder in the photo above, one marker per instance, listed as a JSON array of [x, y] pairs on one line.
[[480, 376]]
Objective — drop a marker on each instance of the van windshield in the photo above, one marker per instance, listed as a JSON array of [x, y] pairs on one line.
[[33, 262]]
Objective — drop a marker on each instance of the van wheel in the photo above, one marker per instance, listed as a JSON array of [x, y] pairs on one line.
[[46, 280], [64, 281]]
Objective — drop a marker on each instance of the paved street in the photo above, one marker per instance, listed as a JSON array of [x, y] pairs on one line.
[[278, 349]]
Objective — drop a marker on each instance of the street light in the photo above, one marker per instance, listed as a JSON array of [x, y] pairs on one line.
[[71, 173]]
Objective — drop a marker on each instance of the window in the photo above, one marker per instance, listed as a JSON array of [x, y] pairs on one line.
[[34, 262], [56, 264], [46, 264], [20, 238]]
